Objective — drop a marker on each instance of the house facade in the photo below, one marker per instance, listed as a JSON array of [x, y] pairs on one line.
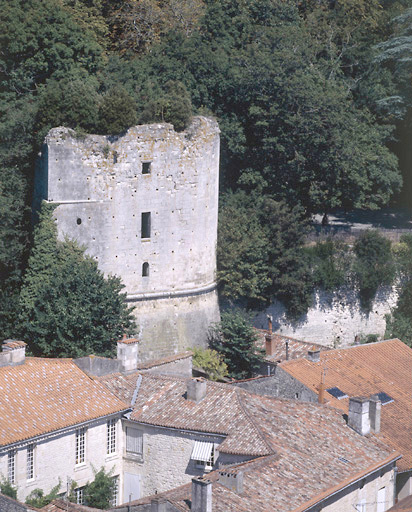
[[57, 425]]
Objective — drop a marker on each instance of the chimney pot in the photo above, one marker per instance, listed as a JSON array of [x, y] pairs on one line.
[[158, 505], [196, 389], [13, 353], [128, 353], [321, 394], [314, 355], [232, 480], [201, 495], [269, 344], [270, 323], [358, 416], [375, 406]]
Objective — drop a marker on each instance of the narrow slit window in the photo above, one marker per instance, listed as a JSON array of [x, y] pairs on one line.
[[146, 167], [145, 269], [146, 225]]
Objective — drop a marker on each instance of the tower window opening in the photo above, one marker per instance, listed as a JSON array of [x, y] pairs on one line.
[[145, 269], [146, 225], [79, 221], [115, 155], [146, 167]]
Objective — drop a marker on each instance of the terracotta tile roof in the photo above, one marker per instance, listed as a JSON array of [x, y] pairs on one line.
[[404, 505], [296, 348], [66, 506], [364, 370], [308, 443], [164, 360], [43, 395], [161, 401]]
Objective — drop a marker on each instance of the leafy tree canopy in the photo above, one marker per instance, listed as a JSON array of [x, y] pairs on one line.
[[7, 488], [99, 493], [38, 499], [211, 362], [235, 339], [68, 308], [260, 253], [373, 265]]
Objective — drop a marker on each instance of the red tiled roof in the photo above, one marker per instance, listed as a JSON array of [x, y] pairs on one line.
[[364, 370], [404, 505], [161, 401], [67, 506], [164, 360], [296, 348], [310, 444], [43, 395]]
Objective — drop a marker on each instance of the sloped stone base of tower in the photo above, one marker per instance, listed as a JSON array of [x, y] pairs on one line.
[[168, 326]]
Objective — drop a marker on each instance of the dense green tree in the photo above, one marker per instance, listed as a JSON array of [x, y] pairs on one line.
[[373, 265], [72, 102], [330, 262], [235, 339], [99, 493], [67, 307], [7, 488], [38, 499], [242, 249], [117, 111], [399, 323], [260, 252], [211, 362], [172, 106], [38, 40]]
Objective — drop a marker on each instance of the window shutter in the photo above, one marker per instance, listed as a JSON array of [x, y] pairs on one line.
[[134, 440]]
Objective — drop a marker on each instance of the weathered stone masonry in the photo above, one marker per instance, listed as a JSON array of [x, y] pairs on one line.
[[144, 205]]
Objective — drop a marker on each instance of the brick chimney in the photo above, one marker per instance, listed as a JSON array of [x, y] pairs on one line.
[[269, 344], [233, 480], [375, 413], [128, 353], [196, 389], [358, 416], [158, 504], [321, 393], [314, 355], [201, 495], [13, 353]]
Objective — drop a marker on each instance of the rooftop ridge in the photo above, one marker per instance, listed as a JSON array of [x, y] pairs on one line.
[[238, 393]]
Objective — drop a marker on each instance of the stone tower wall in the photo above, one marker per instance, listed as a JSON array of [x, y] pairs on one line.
[[103, 185]]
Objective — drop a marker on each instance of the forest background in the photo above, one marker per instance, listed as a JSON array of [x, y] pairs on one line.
[[313, 99]]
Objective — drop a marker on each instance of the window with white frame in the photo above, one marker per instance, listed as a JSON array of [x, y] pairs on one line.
[[115, 496], [11, 466], [203, 454], [111, 436], [30, 462], [79, 495], [80, 445], [134, 441]]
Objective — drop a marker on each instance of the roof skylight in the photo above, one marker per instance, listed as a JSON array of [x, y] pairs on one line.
[[384, 398], [337, 393]]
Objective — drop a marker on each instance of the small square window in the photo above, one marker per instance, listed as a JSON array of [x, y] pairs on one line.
[[146, 167]]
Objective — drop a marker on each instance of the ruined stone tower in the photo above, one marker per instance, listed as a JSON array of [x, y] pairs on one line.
[[144, 205]]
